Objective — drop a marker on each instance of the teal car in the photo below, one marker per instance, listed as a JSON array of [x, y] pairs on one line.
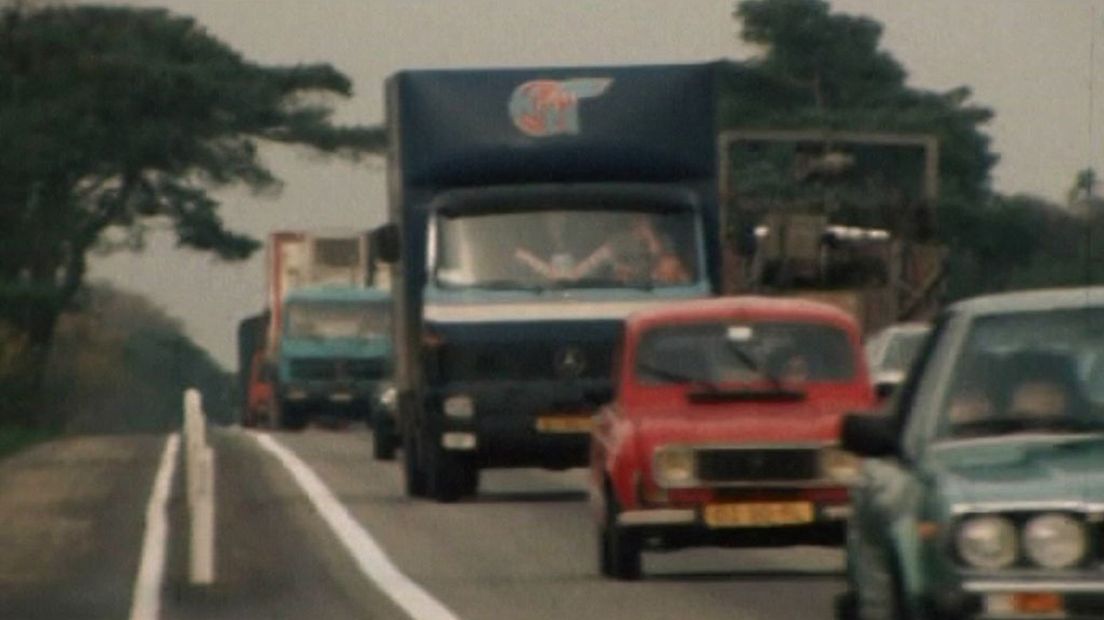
[[983, 492], [335, 354]]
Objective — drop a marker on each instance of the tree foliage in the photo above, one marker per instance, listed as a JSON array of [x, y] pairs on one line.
[[818, 69], [120, 364], [113, 118]]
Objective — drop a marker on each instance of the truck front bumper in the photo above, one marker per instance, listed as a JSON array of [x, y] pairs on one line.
[[537, 424], [349, 401]]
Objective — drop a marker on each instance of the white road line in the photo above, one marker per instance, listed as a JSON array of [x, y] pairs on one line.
[[146, 604], [368, 555]]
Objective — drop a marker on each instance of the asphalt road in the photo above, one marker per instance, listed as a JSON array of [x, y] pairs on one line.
[[71, 521]]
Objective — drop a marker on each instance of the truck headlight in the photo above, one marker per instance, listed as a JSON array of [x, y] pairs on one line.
[[389, 398], [839, 465], [460, 407], [987, 542], [674, 465], [1055, 540]]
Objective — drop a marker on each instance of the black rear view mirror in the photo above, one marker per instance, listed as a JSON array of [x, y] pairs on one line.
[[868, 434]]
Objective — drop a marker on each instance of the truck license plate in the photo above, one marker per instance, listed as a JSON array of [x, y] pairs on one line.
[[341, 397], [758, 514], [564, 423]]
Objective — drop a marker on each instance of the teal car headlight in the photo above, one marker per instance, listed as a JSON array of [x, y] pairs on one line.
[[1055, 540], [987, 542]]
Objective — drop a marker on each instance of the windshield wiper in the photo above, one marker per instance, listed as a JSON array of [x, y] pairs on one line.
[[1005, 425], [775, 395], [677, 377], [756, 366]]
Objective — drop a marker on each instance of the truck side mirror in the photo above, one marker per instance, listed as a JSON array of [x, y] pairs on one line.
[[387, 242], [869, 435]]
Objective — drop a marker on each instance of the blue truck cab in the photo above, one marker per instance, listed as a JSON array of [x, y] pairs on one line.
[[334, 354], [531, 210]]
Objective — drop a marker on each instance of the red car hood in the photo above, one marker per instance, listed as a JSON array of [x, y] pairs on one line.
[[743, 423]]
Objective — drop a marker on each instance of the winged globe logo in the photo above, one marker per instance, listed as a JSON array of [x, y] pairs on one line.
[[542, 108]]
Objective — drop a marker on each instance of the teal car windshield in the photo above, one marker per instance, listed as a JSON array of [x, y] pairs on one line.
[[337, 320], [1028, 372], [538, 250]]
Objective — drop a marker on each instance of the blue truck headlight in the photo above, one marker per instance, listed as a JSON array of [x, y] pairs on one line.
[[389, 398], [1055, 540], [460, 407], [987, 542]]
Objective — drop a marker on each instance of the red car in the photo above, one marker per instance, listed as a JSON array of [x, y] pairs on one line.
[[723, 428]]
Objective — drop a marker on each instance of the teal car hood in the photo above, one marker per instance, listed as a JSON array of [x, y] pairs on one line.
[[1019, 469], [336, 347]]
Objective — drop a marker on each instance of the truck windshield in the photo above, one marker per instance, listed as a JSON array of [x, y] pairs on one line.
[[331, 320], [567, 249], [1028, 372], [719, 353]]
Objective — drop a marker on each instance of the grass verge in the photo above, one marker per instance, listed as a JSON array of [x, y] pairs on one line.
[[15, 438]]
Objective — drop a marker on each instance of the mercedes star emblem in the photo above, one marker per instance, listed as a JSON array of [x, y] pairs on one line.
[[570, 362]]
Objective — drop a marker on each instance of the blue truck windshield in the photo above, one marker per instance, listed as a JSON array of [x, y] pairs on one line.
[[337, 320], [567, 249]]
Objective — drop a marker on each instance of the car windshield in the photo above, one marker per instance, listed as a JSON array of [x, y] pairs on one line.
[[337, 320], [1037, 371], [900, 350], [566, 249], [722, 352]]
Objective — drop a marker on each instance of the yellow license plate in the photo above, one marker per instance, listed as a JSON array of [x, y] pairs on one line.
[[758, 514], [564, 424]]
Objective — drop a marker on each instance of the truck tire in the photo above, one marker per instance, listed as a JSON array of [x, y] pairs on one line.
[[451, 476], [290, 417], [384, 443], [618, 547], [414, 478]]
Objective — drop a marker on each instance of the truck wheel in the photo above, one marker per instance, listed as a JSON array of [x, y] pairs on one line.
[[289, 417], [414, 478], [618, 547], [847, 607], [451, 476], [383, 438]]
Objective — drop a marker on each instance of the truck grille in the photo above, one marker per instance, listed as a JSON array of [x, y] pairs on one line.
[[758, 464], [331, 369], [531, 361]]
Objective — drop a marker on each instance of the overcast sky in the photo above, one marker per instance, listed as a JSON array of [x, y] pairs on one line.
[[1029, 60]]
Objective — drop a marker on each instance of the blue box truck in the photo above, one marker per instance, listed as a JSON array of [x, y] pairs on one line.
[[530, 210]]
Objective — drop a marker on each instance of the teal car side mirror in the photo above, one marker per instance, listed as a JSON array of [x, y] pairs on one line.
[[869, 435]]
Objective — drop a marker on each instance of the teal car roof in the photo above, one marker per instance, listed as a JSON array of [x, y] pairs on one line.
[[1033, 301]]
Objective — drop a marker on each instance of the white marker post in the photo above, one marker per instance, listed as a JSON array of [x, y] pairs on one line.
[[200, 467]]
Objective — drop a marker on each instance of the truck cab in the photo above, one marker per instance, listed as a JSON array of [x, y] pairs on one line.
[[528, 224], [334, 354]]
